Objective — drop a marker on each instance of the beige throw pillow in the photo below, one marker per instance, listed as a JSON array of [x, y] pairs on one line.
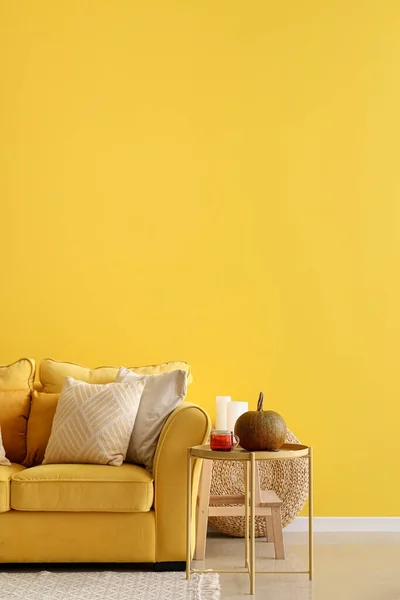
[[161, 395], [93, 422], [4, 462]]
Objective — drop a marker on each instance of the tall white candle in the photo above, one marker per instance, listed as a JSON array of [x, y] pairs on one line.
[[234, 410], [221, 411]]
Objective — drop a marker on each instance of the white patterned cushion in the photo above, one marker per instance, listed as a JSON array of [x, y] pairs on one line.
[[4, 462], [93, 422], [161, 395]]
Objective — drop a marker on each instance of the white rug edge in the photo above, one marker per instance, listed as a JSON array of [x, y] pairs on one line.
[[31, 585], [209, 586]]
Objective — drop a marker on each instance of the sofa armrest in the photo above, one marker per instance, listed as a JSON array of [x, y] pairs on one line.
[[189, 425]]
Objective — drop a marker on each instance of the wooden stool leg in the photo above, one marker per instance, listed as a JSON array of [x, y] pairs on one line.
[[269, 530], [278, 533], [202, 510]]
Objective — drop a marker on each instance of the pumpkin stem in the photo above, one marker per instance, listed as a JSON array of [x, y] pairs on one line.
[[260, 402]]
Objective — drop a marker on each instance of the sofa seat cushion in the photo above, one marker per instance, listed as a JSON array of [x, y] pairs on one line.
[[6, 474], [83, 488]]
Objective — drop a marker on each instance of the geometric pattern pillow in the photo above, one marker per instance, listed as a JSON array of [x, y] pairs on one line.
[[161, 395], [93, 422], [4, 462]]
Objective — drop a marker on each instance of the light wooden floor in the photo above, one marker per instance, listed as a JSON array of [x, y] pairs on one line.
[[348, 566]]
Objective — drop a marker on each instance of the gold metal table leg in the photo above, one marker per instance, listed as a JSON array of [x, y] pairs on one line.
[[310, 516], [252, 523], [188, 514], [246, 514]]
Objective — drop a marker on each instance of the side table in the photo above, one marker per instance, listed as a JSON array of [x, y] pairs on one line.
[[288, 451]]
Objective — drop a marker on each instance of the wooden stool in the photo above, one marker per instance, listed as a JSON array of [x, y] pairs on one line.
[[268, 505]]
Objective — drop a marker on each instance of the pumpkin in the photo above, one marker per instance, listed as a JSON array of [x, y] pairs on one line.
[[261, 430]]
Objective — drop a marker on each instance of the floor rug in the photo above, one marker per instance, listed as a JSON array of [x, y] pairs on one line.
[[108, 585]]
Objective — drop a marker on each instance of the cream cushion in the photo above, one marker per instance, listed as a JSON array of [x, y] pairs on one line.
[[161, 395], [3, 460], [93, 422], [52, 373], [83, 488]]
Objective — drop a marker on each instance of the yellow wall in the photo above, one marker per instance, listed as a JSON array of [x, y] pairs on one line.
[[216, 181]]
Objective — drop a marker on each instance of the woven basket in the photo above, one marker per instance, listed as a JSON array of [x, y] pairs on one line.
[[288, 478]]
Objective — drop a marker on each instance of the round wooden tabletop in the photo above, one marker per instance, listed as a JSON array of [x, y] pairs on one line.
[[238, 453]]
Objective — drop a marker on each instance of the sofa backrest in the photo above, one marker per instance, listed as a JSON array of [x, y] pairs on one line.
[[45, 396], [52, 373]]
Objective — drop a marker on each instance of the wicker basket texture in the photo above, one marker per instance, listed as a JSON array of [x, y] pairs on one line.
[[288, 478]]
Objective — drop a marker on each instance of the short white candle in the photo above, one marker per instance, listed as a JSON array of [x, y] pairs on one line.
[[221, 412], [234, 410]]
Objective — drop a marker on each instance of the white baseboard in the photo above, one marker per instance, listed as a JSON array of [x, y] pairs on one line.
[[386, 524]]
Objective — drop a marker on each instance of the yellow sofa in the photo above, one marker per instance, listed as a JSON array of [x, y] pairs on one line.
[[101, 513]]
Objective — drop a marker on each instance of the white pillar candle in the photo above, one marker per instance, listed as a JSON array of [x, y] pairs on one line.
[[234, 410], [221, 412]]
